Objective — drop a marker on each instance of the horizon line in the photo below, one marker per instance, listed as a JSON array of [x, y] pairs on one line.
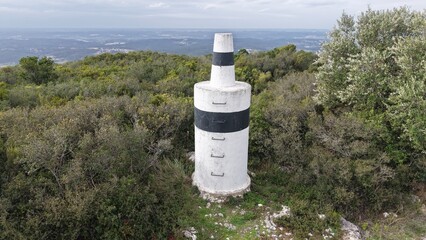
[[152, 28]]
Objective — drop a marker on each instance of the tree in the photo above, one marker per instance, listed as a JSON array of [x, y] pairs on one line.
[[38, 70], [376, 67]]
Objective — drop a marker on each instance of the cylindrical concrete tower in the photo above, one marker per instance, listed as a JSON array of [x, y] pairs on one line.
[[222, 125]]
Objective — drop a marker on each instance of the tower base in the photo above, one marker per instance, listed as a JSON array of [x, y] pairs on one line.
[[220, 196]]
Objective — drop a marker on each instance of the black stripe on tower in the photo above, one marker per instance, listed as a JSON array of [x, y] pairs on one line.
[[222, 122], [223, 59]]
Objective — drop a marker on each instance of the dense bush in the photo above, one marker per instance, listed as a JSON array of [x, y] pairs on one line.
[[376, 66], [93, 169], [262, 67], [336, 154], [279, 120]]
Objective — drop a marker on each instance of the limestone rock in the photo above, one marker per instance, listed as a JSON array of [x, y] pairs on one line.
[[190, 233], [350, 230]]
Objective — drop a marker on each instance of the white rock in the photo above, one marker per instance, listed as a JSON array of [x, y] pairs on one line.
[[230, 226], [190, 233], [212, 198], [321, 216], [415, 198], [269, 223], [191, 156], [350, 230], [284, 212]]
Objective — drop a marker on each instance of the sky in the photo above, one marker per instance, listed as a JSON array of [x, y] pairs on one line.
[[263, 14]]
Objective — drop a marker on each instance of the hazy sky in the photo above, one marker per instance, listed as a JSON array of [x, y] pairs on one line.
[[186, 13]]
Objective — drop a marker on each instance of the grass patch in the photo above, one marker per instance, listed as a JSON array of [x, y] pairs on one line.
[[409, 225], [242, 219]]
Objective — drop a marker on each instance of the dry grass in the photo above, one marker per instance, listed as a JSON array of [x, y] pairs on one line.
[[411, 224]]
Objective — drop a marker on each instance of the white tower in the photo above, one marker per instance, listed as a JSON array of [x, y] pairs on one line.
[[222, 125]]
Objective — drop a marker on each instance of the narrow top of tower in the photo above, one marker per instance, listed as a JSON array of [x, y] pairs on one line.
[[223, 43], [223, 70]]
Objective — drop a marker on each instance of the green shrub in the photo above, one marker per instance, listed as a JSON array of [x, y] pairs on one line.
[[93, 169]]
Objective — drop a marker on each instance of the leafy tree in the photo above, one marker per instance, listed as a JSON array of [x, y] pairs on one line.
[[38, 70], [334, 58], [375, 66]]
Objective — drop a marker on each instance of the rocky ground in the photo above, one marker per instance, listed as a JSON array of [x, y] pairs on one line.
[[238, 223], [256, 217]]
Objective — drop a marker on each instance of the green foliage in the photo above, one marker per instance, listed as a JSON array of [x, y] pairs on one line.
[[262, 67], [92, 169], [279, 118], [374, 68], [407, 100], [334, 59], [333, 160], [24, 96], [345, 157], [3, 91], [304, 218], [9, 75], [37, 70]]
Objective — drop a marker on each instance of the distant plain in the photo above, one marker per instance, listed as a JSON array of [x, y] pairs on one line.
[[73, 44]]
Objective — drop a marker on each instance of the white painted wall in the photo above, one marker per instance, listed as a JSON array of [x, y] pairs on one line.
[[223, 43], [224, 95], [234, 147], [222, 76], [210, 98], [233, 165]]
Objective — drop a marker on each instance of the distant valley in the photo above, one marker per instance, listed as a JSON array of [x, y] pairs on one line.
[[74, 44]]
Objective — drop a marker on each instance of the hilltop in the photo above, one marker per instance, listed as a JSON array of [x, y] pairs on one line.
[[98, 148]]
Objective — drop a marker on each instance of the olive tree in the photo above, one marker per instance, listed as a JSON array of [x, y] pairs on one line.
[[375, 65]]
